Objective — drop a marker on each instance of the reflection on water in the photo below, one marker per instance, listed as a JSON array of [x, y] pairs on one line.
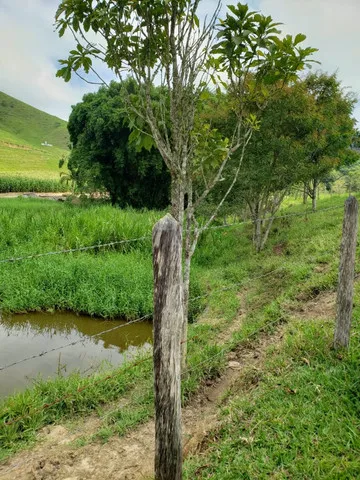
[[22, 336]]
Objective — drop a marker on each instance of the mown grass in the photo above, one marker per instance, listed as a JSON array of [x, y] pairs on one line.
[[302, 420], [301, 258], [30, 124]]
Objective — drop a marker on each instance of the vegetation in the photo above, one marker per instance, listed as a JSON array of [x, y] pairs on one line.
[[166, 40], [333, 130], [30, 124], [26, 184], [103, 157], [299, 261], [296, 418], [22, 130]]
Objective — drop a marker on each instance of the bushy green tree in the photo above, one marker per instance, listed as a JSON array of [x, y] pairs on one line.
[[332, 130], [165, 40], [103, 157]]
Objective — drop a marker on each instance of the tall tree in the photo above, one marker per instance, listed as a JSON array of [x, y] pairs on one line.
[[103, 156], [165, 41], [333, 130]]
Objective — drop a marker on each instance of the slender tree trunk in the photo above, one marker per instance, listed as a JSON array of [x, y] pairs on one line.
[[177, 199], [305, 193], [266, 233], [313, 194]]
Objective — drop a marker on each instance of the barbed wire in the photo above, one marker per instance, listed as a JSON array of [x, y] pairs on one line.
[[238, 284], [130, 366], [73, 250], [276, 217], [76, 342], [140, 319], [145, 237]]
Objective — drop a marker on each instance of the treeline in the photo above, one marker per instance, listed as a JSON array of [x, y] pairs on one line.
[[304, 131]]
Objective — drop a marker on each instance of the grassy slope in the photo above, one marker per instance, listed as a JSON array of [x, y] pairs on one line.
[[22, 130], [302, 418]]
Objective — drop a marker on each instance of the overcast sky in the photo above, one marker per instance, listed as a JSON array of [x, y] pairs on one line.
[[29, 47]]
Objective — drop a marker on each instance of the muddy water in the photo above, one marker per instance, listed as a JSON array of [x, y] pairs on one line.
[[23, 336]]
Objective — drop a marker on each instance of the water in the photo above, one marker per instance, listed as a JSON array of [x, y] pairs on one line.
[[23, 336]]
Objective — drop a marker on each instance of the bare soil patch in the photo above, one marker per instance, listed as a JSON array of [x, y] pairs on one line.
[[18, 147], [322, 307]]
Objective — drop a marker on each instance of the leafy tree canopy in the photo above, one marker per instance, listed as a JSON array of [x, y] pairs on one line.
[[104, 157]]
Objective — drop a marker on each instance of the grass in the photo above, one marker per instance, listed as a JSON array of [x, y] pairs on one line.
[[300, 260], [27, 184], [22, 131], [30, 124], [301, 421]]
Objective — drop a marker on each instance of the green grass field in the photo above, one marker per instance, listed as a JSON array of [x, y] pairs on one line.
[[22, 131], [299, 420]]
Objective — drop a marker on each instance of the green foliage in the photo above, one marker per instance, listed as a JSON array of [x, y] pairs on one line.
[[103, 156], [332, 126], [251, 42], [21, 184]]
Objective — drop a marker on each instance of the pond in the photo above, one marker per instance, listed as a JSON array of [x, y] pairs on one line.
[[23, 336]]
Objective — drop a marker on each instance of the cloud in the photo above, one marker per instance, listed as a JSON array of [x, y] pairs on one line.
[[29, 47]]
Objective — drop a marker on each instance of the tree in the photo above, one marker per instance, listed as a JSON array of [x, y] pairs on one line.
[[103, 157], [333, 130], [274, 155], [164, 41]]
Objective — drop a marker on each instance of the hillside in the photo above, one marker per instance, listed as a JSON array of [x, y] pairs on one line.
[[30, 124], [22, 131]]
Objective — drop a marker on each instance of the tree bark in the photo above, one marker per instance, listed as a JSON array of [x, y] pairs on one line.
[[313, 194], [345, 291], [305, 193], [168, 320]]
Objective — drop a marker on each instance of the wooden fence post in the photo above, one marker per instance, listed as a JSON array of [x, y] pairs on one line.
[[168, 318], [345, 290]]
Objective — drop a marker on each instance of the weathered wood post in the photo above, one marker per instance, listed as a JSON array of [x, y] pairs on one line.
[[345, 290], [168, 318]]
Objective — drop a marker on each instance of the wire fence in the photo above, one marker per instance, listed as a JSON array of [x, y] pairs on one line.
[[74, 250], [140, 319], [147, 237], [133, 364]]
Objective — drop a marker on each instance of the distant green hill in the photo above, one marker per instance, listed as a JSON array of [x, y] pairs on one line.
[[22, 131], [31, 124]]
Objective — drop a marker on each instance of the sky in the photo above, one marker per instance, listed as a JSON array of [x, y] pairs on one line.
[[30, 47]]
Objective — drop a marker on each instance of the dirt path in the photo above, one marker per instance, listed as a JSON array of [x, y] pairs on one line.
[[130, 457], [44, 195]]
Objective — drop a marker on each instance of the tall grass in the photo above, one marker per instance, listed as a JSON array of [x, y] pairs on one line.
[[24, 184]]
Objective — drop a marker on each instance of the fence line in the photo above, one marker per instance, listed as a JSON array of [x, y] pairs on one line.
[[145, 237], [140, 319], [132, 365], [193, 368], [73, 250], [276, 217], [55, 349]]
